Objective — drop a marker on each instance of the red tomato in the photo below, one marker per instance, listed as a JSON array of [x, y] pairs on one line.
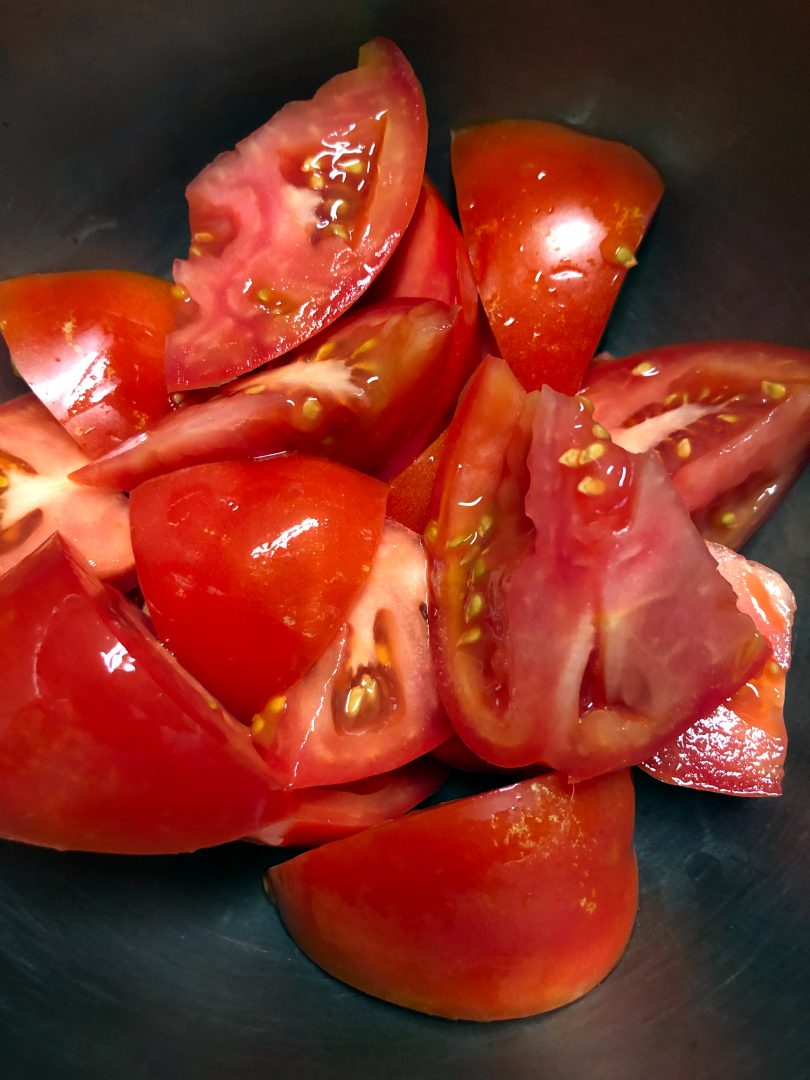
[[411, 495], [370, 703], [293, 225], [552, 219], [37, 498], [730, 419], [432, 261], [249, 566], [567, 584], [502, 905], [91, 346], [740, 748], [356, 393], [106, 744], [320, 815]]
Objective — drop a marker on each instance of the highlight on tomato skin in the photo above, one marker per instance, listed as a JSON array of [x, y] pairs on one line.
[[493, 907]]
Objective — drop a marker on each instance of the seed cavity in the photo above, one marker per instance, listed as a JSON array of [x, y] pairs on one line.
[[591, 485]]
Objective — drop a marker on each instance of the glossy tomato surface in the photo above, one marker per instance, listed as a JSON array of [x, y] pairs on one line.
[[410, 499], [248, 566], [292, 226], [510, 903]]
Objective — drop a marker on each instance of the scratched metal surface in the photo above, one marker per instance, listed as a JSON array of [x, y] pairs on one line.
[[177, 967]]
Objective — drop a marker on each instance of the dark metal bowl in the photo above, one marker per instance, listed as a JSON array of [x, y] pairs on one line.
[[177, 967]]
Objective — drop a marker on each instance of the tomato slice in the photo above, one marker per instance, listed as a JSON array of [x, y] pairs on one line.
[[432, 261], [552, 220], [106, 744], [370, 702], [248, 567], [36, 496], [497, 906], [567, 584], [411, 496], [91, 346], [730, 419], [740, 748], [292, 226], [319, 815], [356, 394]]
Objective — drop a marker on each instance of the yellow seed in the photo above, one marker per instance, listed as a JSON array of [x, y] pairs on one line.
[[370, 686], [594, 451], [328, 442], [316, 181], [257, 388], [266, 296], [462, 538], [310, 165], [704, 393], [257, 725], [383, 653], [475, 605], [728, 519], [591, 485], [178, 292], [600, 432], [571, 458], [479, 571], [684, 448], [202, 237], [364, 348], [277, 704], [324, 351], [772, 667], [355, 167], [585, 403], [774, 390], [178, 398], [671, 399], [195, 251], [485, 524], [727, 417], [340, 231], [3, 482], [644, 368], [355, 700], [431, 532], [624, 256], [311, 408], [469, 637]]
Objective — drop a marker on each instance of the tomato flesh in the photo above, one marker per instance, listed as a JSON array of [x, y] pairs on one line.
[[292, 226], [369, 704], [354, 394], [247, 567], [740, 748], [410, 499], [730, 419], [567, 581], [552, 219], [502, 905]]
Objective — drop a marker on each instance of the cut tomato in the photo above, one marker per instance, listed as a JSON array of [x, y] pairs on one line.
[[370, 703], [411, 496], [502, 905], [292, 226], [91, 346], [319, 815], [730, 419], [248, 567], [552, 219], [37, 498], [106, 744], [740, 748], [567, 584], [356, 394]]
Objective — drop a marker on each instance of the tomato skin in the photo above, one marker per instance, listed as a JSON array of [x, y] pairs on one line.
[[106, 744], [262, 275], [355, 393], [502, 905], [320, 815], [410, 497], [248, 566], [551, 218], [740, 411], [91, 344], [740, 748], [37, 498]]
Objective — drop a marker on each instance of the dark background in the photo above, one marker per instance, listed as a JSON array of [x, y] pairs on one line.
[[177, 967]]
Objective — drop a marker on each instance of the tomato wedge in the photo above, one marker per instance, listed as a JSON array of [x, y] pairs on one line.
[[411, 496], [356, 394], [370, 703], [247, 567], [292, 226], [552, 219], [502, 905], [568, 583], [319, 815], [37, 498], [740, 748], [730, 419], [106, 744], [91, 345]]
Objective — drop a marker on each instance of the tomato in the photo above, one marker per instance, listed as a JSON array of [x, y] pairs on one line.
[[411, 495], [369, 704], [497, 906], [740, 748], [567, 583], [247, 567], [355, 393], [320, 815], [37, 498], [432, 261], [106, 744], [91, 346], [292, 226], [552, 220], [730, 419]]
